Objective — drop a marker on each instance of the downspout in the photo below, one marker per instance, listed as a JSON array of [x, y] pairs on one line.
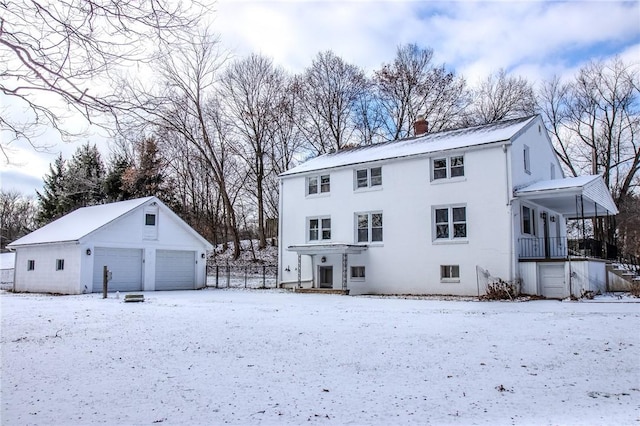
[[280, 228], [508, 203]]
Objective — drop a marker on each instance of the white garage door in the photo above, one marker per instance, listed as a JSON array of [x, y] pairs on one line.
[[125, 266], [552, 281], [175, 270]]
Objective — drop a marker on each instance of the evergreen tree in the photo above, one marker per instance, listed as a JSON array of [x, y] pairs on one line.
[[52, 200], [114, 186], [145, 177], [84, 184]]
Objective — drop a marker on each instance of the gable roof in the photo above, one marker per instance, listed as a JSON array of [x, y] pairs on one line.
[[86, 220], [501, 131]]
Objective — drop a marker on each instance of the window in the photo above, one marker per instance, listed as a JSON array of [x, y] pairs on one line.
[[368, 178], [31, 265], [369, 227], [357, 273], [319, 228], [450, 273], [552, 171], [321, 183], [450, 223], [59, 264], [448, 167], [528, 221], [527, 161], [150, 219]]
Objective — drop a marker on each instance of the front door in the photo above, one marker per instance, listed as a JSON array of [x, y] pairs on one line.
[[325, 275]]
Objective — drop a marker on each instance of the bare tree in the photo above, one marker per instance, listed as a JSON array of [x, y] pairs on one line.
[[412, 85], [595, 122], [65, 52], [328, 91], [251, 89], [185, 105], [501, 97], [17, 216]]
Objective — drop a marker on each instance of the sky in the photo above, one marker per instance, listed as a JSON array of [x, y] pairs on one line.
[[532, 39]]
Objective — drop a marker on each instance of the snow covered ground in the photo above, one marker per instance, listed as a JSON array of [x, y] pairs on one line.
[[272, 357]]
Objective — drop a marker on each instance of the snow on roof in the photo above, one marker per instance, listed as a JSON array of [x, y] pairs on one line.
[[79, 223], [566, 183], [431, 142]]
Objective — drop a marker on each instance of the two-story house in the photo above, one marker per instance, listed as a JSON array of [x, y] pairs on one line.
[[438, 214]]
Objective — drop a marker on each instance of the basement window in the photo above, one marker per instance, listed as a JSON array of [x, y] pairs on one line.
[[357, 273], [450, 273]]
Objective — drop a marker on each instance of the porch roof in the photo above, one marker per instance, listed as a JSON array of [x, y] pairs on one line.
[[329, 248], [573, 197]]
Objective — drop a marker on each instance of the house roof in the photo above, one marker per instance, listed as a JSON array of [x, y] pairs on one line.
[[574, 197], [86, 220], [429, 143]]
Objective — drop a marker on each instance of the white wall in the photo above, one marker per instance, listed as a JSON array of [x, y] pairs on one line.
[[45, 278], [408, 261]]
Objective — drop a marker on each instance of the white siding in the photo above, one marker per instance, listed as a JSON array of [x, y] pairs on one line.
[[45, 278], [408, 260]]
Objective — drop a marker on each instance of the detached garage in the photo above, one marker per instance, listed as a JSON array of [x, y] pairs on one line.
[[142, 243]]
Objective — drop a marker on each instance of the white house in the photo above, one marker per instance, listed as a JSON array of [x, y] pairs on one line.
[[142, 243], [438, 214]]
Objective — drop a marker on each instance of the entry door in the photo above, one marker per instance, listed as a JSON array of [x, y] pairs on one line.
[[325, 275]]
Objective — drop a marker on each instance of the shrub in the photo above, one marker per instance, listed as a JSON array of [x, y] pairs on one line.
[[634, 288], [498, 289]]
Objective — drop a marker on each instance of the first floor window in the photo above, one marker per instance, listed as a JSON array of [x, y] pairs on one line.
[[319, 229], [449, 272], [357, 272], [528, 221], [31, 265], [369, 227], [59, 264], [450, 222]]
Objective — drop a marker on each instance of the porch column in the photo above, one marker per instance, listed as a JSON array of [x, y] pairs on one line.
[[344, 270], [299, 270]]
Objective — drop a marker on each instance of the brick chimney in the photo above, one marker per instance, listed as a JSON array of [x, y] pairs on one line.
[[420, 126]]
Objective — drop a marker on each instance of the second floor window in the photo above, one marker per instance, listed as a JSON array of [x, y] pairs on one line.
[[369, 227], [368, 178], [318, 184], [59, 264], [319, 229], [448, 167]]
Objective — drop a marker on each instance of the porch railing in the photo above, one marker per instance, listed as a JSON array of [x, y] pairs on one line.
[[561, 248]]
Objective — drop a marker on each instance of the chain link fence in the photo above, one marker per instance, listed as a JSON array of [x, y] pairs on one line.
[[244, 276]]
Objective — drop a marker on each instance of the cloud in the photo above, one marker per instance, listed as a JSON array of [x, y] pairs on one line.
[[537, 39]]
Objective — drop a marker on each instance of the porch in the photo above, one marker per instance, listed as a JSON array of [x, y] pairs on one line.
[[557, 248], [321, 255]]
